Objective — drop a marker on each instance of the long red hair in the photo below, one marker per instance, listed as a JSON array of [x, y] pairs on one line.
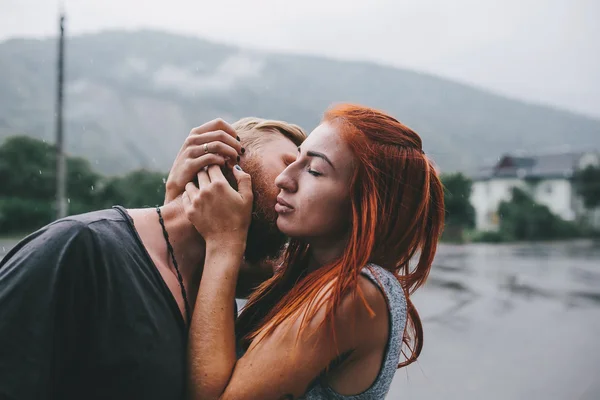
[[397, 211]]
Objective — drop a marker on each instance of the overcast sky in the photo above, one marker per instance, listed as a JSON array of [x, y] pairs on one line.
[[546, 51]]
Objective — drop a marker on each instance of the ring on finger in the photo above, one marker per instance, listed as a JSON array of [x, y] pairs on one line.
[[206, 148]]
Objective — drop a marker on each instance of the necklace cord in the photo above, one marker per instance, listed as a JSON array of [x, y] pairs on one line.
[[179, 277]]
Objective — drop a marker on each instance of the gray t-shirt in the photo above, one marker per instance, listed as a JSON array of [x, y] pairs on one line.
[[85, 314]]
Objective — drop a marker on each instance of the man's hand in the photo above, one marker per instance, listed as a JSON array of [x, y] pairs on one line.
[[214, 143]]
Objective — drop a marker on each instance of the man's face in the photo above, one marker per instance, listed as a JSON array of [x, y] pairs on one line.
[[264, 164]]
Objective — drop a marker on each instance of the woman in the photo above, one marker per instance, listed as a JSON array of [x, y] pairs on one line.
[[358, 203]]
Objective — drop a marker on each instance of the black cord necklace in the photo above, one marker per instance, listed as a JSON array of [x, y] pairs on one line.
[[179, 277]]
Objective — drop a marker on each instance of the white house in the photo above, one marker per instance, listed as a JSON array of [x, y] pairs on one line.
[[547, 178]]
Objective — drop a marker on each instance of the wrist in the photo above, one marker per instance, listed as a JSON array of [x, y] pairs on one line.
[[226, 244], [223, 261]]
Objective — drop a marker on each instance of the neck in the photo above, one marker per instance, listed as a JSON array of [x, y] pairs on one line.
[[188, 245], [323, 252]]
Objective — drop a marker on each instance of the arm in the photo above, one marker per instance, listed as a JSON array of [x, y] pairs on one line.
[[212, 333], [280, 366], [40, 288], [223, 145], [222, 216], [286, 362]]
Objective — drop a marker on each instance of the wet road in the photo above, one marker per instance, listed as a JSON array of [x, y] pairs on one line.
[[509, 322], [506, 322]]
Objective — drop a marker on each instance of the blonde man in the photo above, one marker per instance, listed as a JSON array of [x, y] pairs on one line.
[[97, 305]]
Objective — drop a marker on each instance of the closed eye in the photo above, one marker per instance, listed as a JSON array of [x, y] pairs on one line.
[[289, 159]]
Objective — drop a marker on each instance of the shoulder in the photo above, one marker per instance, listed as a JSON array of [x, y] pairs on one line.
[[386, 282], [59, 243], [77, 226], [89, 230], [362, 312], [374, 315], [52, 237]]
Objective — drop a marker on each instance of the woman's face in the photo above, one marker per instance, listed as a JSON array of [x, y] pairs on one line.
[[314, 198]]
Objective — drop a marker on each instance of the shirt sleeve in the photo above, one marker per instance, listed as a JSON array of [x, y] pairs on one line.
[[41, 286]]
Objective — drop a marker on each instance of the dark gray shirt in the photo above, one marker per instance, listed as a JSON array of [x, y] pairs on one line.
[[85, 314]]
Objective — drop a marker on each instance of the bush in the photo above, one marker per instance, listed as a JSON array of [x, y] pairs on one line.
[[19, 215], [27, 193], [524, 219], [489, 237]]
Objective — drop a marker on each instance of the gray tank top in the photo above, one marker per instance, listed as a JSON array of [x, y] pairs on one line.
[[394, 295]]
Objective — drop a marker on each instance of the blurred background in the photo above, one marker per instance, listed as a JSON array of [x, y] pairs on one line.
[[505, 94]]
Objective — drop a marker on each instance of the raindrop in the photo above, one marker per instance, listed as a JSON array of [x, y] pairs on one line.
[[69, 200], [92, 187], [40, 171], [164, 180], [3, 249]]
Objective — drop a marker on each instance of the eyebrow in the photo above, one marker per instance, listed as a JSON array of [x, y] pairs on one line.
[[320, 155]]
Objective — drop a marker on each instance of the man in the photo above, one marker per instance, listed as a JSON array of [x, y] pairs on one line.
[[96, 306]]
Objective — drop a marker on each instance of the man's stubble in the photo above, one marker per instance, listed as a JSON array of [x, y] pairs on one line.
[[264, 240]]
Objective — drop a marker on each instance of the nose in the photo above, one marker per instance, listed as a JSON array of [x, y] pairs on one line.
[[285, 180]]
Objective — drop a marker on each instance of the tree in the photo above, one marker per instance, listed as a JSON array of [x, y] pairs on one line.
[[27, 168], [140, 188], [460, 213], [587, 185], [28, 176], [522, 218]]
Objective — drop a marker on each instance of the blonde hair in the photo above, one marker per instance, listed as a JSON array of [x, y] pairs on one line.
[[254, 131]]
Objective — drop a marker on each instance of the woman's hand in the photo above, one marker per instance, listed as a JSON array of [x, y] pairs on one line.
[[220, 214], [214, 143]]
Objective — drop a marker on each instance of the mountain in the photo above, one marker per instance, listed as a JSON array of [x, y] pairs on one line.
[[132, 97]]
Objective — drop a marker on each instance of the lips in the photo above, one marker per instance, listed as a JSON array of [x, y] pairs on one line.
[[283, 206]]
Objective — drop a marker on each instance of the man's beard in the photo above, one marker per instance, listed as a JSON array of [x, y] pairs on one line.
[[264, 240]]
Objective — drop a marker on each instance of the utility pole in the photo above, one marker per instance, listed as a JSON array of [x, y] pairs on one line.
[[61, 167]]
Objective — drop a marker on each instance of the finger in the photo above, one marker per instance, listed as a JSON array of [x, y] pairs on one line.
[[203, 179], [215, 125], [215, 136], [244, 182], [216, 175], [191, 191], [185, 198], [219, 148], [195, 165]]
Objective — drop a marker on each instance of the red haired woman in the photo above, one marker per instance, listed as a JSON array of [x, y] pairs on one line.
[[336, 320]]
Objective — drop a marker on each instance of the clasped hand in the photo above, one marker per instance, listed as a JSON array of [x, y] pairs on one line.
[[219, 213]]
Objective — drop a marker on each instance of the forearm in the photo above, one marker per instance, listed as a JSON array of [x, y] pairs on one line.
[[212, 333]]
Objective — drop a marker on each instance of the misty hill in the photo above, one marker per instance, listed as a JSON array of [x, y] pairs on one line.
[[131, 98]]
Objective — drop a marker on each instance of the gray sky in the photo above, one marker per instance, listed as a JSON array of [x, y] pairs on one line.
[[546, 51]]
